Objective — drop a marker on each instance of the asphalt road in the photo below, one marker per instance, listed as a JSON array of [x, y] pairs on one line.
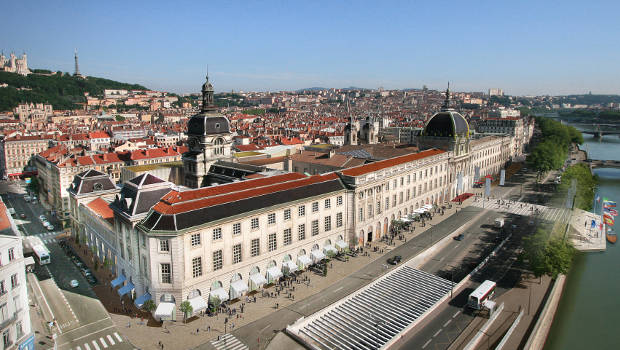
[[83, 323]]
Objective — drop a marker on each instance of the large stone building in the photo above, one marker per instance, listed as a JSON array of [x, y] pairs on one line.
[[204, 243], [14, 65], [16, 154], [15, 325]]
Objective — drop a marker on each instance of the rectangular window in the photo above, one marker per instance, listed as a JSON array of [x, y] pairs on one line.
[[217, 260], [255, 247], [369, 210], [164, 245], [387, 203], [315, 207], [339, 200], [400, 198], [287, 214], [338, 219], [378, 207], [301, 232], [6, 339], [11, 254], [197, 267], [328, 223], [196, 238], [4, 312], [271, 218], [236, 253], [360, 214], [236, 228], [315, 227], [287, 237], [301, 210], [408, 179], [273, 243], [393, 200], [14, 282], [2, 289], [254, 224], [165, 273], [217, 233], [328, 203]]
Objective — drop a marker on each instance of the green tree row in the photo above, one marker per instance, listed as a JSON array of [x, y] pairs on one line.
[[63, 91], [586, 185], [551, 152], [547, 255]]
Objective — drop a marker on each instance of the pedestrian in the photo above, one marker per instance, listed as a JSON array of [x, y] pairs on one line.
[[208, 328], [197, 331]]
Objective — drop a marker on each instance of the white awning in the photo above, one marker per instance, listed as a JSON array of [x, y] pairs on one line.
[[317, 255], [257, 279], [340, 244], [290, 265], [198, 303], [220, 293], [273, 273], [304, 261], [237, 288], [329, 248], [164, 311], [428, 206], [404, 219]]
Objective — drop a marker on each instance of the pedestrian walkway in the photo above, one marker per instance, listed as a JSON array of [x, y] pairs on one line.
[[525, 209], [107, 341], [228, 342], [47, 237]]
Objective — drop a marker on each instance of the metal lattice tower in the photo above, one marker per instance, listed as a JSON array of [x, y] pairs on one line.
[[77, 67]]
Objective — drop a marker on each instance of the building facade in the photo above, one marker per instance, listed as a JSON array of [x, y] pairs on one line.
[[13, 64]]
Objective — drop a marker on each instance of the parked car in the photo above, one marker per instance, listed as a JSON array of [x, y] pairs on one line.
[[42, 218], [459, 237], [22, 215], [74, 283], [91, 280], [394, 260], [50, 228]]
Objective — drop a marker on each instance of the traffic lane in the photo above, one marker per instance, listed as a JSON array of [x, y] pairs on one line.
[[453, 253], [55, 299]]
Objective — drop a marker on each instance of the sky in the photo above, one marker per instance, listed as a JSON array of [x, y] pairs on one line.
[[524, 47]]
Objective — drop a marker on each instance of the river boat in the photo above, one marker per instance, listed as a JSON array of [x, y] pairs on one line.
[[611, 236]]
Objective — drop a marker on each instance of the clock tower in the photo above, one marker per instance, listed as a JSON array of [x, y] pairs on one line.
[[208, 138]]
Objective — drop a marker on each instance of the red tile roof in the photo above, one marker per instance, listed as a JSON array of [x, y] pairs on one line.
[[102, 208], [387, 163], [165, 207]]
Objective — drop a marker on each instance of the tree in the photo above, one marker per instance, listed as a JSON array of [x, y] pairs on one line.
[[119, 118], [546, 256], [186, 308], [149, 306], [215, 303]]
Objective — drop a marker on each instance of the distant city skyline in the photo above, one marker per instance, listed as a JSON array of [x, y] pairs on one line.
[[524, 48]]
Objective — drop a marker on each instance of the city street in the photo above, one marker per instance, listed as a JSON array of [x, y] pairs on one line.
[[82, 322]]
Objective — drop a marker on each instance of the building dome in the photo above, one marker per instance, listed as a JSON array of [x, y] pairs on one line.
[[206, 124], [447, 124]]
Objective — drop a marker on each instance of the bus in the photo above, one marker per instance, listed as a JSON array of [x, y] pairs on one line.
[[34, 245], [483, 293], [41, 254]]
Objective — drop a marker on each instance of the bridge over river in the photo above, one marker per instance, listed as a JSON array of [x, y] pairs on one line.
[[595, 163], [598, 130]]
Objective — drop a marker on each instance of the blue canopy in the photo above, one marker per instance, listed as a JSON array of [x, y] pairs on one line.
[[141, 299], [117, 281], [126, 289]]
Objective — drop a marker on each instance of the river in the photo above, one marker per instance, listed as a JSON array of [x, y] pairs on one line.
[[588, 316]]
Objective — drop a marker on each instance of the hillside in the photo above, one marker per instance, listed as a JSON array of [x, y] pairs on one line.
[[60, 90]]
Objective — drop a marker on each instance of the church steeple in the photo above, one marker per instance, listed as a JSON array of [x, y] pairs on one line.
[[207, 96]]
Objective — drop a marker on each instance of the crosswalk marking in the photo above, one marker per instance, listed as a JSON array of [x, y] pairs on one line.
[[103, 342], [526, 209], [86, 346], [228, 342], [118, 337], [111, 340], [96, 345]]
